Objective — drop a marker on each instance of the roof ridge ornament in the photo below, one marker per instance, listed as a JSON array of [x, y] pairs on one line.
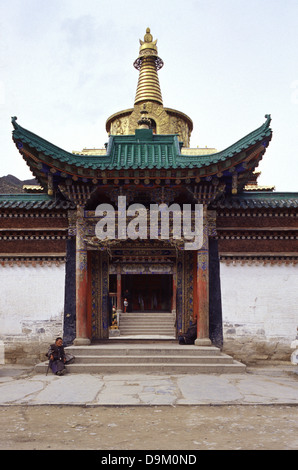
[[268, 121], [13, 121]]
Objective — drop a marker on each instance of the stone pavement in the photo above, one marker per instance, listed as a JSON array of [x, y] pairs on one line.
[[262, 385]]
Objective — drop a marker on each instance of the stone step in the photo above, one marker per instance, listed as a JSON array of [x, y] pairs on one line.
[[149, 368], [154, 359], [145, 330], [136, 317], [153, 313], [161, 321], [144, 323], [143, 349], [154, 325], [144, 334], [147, 322], [146, 319]]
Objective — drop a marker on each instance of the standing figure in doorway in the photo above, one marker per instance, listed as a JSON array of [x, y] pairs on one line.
[[127, 298]]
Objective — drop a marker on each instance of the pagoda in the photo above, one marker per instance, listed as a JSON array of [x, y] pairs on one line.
[[148, 161], [82, 250]]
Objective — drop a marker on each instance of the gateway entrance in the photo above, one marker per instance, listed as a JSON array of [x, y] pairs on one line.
[[146, 301], [147, 292], [155, 279]]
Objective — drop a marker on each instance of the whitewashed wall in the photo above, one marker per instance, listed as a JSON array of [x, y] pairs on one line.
[[31, 308], [259, 307]]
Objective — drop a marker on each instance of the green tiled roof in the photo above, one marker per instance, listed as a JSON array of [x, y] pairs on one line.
[[258, 200], [244, 200], [144, 150], [32, 201]]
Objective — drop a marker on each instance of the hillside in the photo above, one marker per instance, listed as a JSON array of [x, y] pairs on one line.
[[11, 185]]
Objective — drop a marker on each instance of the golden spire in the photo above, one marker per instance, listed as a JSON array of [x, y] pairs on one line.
[[148, 63]]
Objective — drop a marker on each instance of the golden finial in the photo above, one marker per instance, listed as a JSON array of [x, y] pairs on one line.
[[148, 37], [148, 42], [148, 46], [148, 63]]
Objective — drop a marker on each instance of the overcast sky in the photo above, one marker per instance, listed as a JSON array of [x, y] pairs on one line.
[[67, 65]]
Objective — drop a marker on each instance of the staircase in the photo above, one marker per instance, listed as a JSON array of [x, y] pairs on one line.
[[153, 324], [164, 357]]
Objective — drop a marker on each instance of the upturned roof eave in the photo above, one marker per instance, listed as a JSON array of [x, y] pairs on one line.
[[60, 157], [254, 137]]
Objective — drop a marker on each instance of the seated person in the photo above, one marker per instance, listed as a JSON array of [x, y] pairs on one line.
[[190, 336], [57, 357]]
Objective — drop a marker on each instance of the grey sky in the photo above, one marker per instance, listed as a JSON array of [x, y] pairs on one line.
[[66, 66]]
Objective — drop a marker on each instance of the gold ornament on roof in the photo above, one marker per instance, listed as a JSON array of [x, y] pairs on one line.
[[148, 63], [148, 110], [148, 42], [148, 48], [148, 37]]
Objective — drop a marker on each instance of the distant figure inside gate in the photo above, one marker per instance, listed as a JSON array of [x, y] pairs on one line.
[[127, 301]]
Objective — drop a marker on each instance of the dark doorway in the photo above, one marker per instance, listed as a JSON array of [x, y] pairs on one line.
[[148, 292]]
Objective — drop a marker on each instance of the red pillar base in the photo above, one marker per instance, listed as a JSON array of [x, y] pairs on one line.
[[203, 342], [82, 342]]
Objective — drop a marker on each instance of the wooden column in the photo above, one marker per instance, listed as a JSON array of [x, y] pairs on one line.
[[174, 291], [81, 281], [203, 289], [119, 288]]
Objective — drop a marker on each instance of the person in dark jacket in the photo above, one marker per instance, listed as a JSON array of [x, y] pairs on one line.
[[190, 336], [57, 357]]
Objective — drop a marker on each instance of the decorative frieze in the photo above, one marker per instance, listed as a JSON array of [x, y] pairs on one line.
[[28, 214], [142, 268], [258, 234], [256, 260], [33, 235], [261, 213], [19, 260]]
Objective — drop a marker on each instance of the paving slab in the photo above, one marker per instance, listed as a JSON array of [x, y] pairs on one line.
[[259, 385]]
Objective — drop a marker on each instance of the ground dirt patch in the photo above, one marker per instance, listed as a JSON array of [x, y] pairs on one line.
[[181, 428]]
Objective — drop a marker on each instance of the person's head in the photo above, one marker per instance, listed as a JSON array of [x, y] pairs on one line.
[[59, 341]]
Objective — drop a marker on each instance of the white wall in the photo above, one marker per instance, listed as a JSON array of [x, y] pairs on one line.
[[260, 300], [30, 296]]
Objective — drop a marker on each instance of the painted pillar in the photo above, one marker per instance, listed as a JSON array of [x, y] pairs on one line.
[[119, 288], [203, 288], [81, 281], [174, 291]]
